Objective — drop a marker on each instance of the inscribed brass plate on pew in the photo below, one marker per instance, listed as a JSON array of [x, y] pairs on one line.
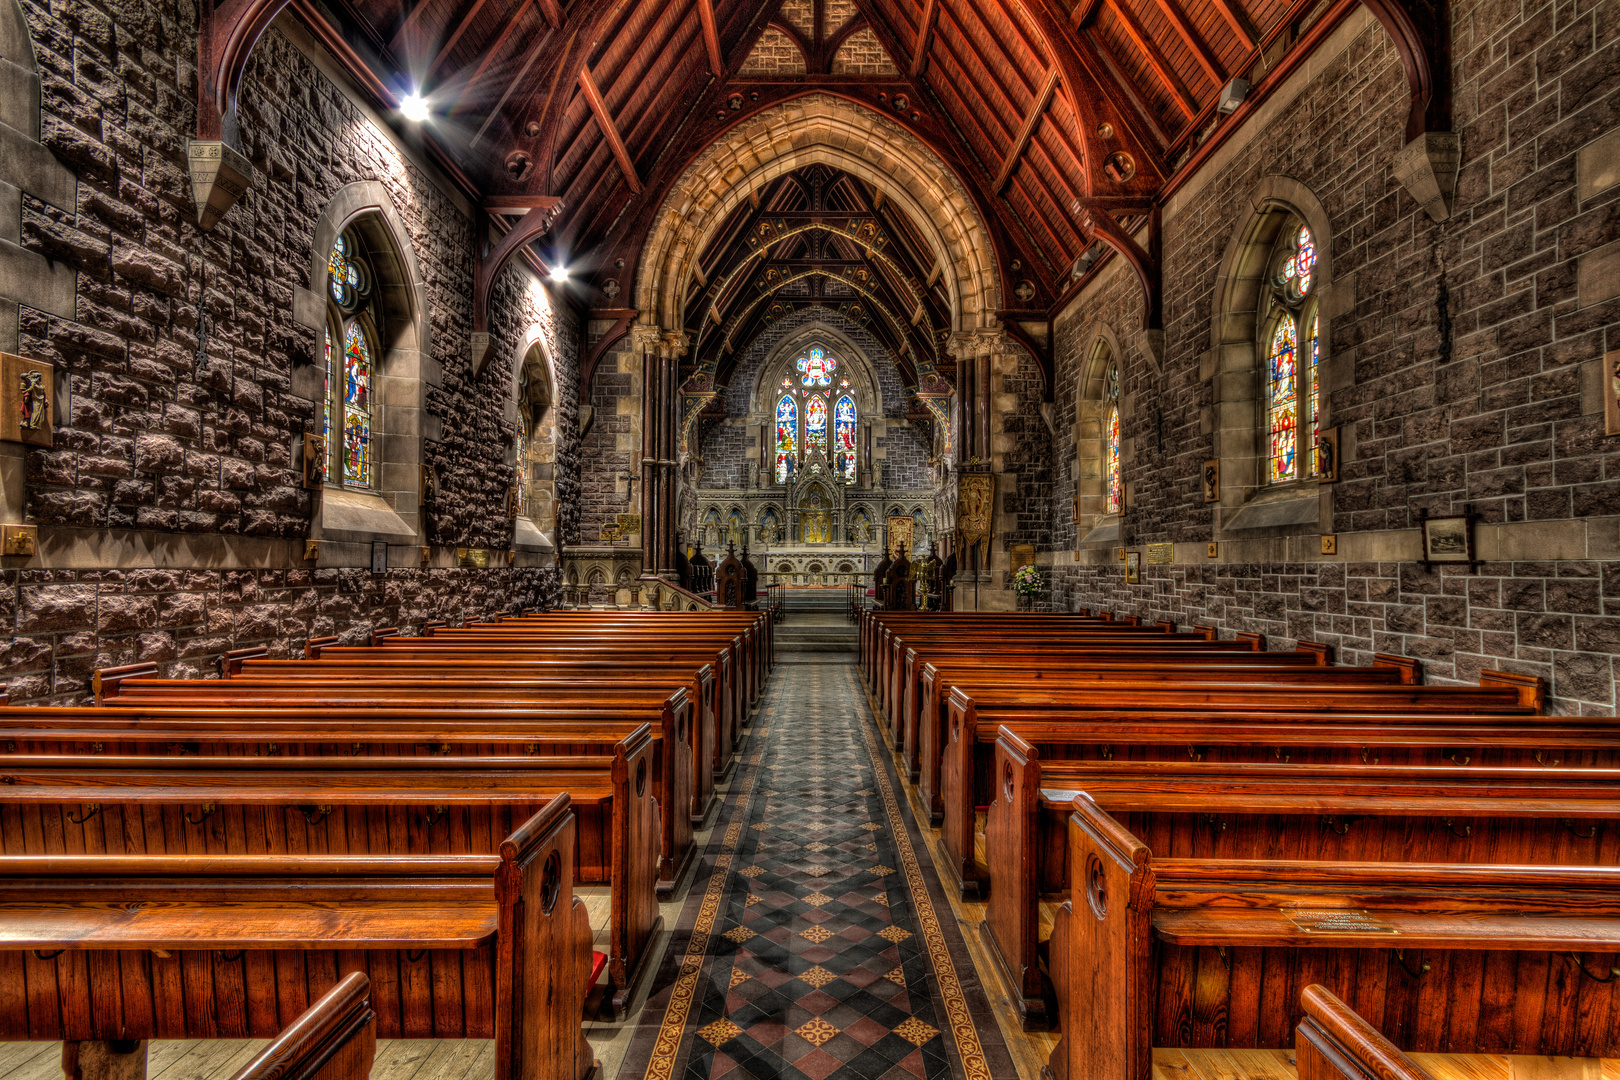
[[1161, 554], [1338, 921]]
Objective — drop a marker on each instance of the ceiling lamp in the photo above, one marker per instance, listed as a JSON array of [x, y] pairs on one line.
[[414, 108]]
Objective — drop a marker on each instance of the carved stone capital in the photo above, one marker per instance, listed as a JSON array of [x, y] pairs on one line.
[[970, 344], [1427, 168]]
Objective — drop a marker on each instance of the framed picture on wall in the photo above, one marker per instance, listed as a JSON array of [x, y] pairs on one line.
[[1133, 568], [1448, 539], [1327, 456], [1212, 480]]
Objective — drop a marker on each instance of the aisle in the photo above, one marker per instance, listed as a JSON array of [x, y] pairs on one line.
[[816, 941]]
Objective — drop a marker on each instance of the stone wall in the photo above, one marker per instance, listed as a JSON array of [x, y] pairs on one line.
[[1509, 424], [611, 446], [185, 365]]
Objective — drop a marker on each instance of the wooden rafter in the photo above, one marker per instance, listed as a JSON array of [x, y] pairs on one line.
[[552, 13], [1036, 111], [711, 38], [1156, 59], [1189, 34], [455, 35], [925, 34], [1234, 18], [610, 131], [493, 49]]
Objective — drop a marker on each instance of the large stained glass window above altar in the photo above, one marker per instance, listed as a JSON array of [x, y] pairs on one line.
[[816, 368], [844, 438], [815, 423]]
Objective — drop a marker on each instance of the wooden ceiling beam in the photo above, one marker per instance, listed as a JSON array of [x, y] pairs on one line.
[[610, 131], [1156, 59], [492, 50], [455, 35], [711, 38], [1082, 12], [1135, 107], [1235, 19], [553, 14], [1043, 101], [925, 34], [1189, 34]]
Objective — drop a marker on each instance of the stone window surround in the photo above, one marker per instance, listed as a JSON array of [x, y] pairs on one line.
[[532, 354], [853, 364], [1248, 508], [1095, 528], [347, 520], [27, 279]]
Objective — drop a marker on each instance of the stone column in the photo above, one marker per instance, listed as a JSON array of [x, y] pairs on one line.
[[645, 341]]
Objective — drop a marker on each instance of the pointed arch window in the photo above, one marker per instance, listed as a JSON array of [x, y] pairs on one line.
[[787, 438], [815, 423], [350, 368], [1111, 435], [1293, 382], [844, 439]]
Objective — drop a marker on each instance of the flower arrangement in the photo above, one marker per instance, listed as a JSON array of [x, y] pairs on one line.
[[1027, 581]]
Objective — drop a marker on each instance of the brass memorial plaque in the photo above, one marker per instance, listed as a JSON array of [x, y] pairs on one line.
[[1338, 921], [1160, 554], [474, 557]]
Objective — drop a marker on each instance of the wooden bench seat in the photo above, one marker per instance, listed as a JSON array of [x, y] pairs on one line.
[[1446, 813], [964, 759], [1191, 952], [713, 737], [135, 805], [357, 729], [467, 946], [924, 712], [872, 623]]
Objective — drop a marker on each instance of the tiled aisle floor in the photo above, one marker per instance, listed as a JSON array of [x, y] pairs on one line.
[[816, 942]]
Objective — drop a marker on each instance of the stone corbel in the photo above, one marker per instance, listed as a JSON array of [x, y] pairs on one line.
[[220, 175], [1427, 168], [1098, 224]]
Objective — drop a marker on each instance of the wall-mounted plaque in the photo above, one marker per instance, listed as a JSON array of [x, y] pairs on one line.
[[1211, 475], [19, 540], [477, 558], [1330, 544], [1022, 555], [1214, 551], [26, 397], [379, 556], [629, 523], [1133, 568], [1161, 554], [1448, 539]]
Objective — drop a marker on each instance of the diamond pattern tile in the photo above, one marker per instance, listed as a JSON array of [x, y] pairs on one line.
[[816, 964]]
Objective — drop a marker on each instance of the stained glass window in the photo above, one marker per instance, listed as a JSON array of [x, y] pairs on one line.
[[817, 368], [1115, 481], [815, 424], [844, 439], [787, 439], [1282, 400], [326, 414], [356, 407], [1316, 390], [523, 462], [1298, 268], [346, 277]]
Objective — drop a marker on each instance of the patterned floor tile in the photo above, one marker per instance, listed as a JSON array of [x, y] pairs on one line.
[[814, 943]]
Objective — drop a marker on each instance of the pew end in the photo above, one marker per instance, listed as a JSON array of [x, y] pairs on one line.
[[335, 1039], [383, 634], [1323, 653], [1256, 640], [957, 866], [540, 1003], [231, 661], [1101, 953], [1410, 667], [1011, 927], [1333, 1043], [106, 682], [1532, 688], [637, 831], [313, 647], [432, 625]]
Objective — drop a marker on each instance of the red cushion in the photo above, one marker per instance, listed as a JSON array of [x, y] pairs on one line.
[[598, 962]]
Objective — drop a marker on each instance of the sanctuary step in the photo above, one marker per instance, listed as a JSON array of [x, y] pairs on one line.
[[815, 601], [816, 632]]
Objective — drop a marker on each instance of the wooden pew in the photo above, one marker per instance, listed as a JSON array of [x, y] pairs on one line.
[[469, 946], [1164, 952], [873, 621], [974, 720], [1354, 812], [125, 805], [509, 682], [1333, 1043], [926, 710], [335, 1039], [562, 721]]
